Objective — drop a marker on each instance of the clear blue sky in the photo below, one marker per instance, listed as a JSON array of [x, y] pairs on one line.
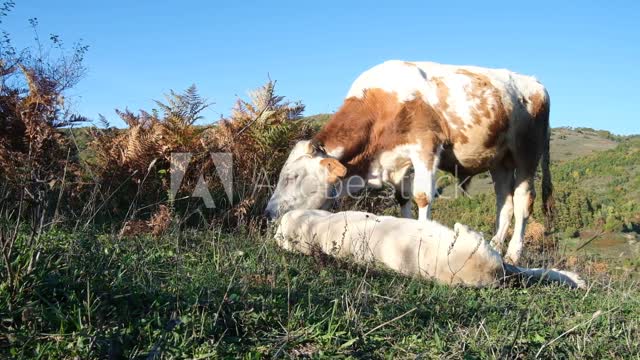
[[586, 53]]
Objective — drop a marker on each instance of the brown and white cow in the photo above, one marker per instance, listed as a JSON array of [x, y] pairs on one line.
[[398, 115]]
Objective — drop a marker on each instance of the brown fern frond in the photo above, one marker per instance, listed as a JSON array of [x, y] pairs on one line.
[[160, 221]]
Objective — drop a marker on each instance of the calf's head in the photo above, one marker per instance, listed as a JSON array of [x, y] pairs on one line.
[[306, 181]]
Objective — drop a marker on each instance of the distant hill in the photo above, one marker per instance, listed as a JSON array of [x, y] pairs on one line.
[[566, 144]]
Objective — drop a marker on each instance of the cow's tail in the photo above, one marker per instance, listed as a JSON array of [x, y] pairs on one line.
[[548, 202], [568, 278]]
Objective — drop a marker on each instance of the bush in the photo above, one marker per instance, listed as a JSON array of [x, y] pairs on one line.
[[137, 160]]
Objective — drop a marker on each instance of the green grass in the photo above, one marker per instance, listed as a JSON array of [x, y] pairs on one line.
[[204, 294], [234, 294]]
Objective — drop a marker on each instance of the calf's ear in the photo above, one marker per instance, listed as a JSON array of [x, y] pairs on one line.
[[336, 169]]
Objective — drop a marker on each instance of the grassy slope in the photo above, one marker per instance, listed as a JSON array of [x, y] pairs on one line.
[[205, 294], [202, 294], [599, 190]]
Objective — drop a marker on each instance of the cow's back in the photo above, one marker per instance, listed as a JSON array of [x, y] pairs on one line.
[[427, 80], [479, 114]]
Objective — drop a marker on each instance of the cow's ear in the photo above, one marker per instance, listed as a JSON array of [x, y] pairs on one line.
[[308, 147], [317, 147], [336, 169]]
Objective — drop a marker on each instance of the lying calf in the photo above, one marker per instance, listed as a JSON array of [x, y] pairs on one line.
[[427, 249]]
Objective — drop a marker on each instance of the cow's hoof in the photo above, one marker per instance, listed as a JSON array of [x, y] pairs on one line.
[[497, 245], [512, 256]]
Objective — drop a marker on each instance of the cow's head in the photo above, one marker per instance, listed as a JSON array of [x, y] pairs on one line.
[[306, 181]]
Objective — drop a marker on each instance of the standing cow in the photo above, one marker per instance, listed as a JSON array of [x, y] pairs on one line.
[[397, 115]]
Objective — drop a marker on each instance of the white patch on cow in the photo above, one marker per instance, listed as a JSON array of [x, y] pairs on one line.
[[390, 159], [424, 180], [391, 165], [459, 86], [406, 79], [392, 76], [337, 153]]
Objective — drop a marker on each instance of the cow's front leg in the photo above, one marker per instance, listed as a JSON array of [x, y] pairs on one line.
[[403, 185], [425, 166]]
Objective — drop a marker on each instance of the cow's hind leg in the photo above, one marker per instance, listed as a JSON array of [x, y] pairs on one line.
[[503, 180], [526, 152], [523, 198]]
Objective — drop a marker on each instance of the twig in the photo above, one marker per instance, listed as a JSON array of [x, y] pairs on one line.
[[389, 322], [593, 317], [589, 241], [226, 292], [64, 177]]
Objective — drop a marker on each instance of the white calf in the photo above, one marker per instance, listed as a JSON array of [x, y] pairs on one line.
[[427, 249]]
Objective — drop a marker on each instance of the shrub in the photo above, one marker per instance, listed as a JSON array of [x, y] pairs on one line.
[[137, 160]]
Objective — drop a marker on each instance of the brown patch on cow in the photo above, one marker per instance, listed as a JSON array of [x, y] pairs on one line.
[[336, 169], [455, 136], [539, 105], [422, 200], [429, 134], [378, 122], [493, 116]]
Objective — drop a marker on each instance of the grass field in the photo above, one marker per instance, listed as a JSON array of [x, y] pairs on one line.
[[204, 294], [211, 293]]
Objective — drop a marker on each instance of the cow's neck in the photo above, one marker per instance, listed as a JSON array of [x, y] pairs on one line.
[[356, 156], [347, 137]]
